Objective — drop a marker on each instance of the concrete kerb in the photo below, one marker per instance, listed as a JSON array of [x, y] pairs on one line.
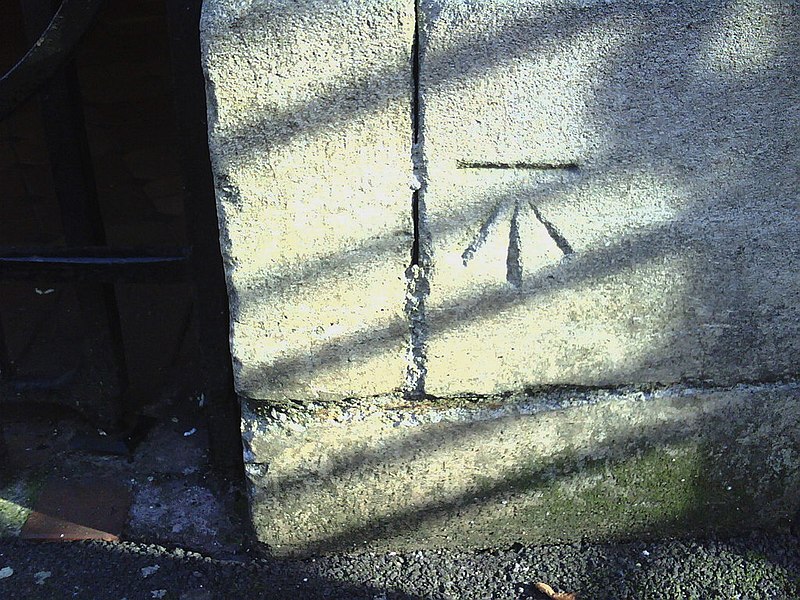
[[557, 466]]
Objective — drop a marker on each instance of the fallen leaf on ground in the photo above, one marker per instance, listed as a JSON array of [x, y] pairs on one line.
[[551, 593]]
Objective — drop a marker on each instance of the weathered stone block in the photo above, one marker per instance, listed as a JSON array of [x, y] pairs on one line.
[[607, 196], [611, 192], [558, 467], [310, 132]]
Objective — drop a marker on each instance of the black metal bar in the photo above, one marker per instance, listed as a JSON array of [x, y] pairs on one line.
[[50, 51], [73, 177], [6, 366], [211, 298], [95, 264]]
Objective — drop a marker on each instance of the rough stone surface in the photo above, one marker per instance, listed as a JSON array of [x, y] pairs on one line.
[[662, 246], [558, 467], [310, 137], [606, 196]]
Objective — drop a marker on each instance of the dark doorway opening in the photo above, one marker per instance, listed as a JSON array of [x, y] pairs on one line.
[[112, 296]]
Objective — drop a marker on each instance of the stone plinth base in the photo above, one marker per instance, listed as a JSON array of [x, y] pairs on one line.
[[538, 469]]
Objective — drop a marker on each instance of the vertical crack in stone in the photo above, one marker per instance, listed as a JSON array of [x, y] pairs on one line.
[[417, 273], [415, 135]]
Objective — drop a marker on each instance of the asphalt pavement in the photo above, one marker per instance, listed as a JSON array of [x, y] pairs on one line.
[[759, 566]]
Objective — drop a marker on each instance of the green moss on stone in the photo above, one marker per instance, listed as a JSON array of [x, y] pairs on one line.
[[16, 500], [658, 490]]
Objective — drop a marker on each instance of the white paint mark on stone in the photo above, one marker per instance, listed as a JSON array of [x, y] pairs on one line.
[[158, 593], [192, 431], [6, 572]]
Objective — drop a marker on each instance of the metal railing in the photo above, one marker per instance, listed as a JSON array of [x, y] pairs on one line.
[[86, 260]]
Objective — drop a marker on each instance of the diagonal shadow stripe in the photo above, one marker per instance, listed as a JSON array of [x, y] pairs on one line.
[[625, 254]]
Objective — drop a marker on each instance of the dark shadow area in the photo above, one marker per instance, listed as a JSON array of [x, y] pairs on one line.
[[60, 395], [759, 567], [126, 570], [59, 354]]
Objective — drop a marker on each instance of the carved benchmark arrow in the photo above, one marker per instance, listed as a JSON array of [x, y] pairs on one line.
[[515, 206]]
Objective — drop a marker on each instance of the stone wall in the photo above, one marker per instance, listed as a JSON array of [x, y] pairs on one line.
[[451, 201]]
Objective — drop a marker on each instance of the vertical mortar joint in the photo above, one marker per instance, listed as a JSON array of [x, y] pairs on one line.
[[416, 275]]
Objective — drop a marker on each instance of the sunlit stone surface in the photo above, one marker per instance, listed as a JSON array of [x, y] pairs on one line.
[[310, 129], [556, 467], [611, 192]]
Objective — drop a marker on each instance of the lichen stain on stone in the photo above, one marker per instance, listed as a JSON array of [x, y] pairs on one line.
[[606, 496]]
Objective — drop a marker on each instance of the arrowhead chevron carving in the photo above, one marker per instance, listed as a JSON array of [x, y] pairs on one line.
[[516, 207]]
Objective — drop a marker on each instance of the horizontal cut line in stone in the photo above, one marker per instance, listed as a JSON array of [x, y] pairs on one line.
[[540, 166]]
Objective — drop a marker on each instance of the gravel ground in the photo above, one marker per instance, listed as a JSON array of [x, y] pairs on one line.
[[755, 567]]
